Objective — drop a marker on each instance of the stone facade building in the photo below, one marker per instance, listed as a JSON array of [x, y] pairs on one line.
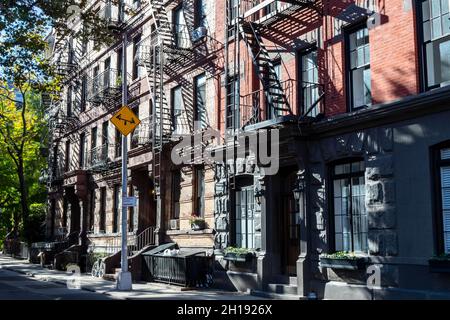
[[352, 97]]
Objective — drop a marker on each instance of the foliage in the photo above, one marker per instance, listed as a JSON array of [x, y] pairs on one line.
[[21, 131], [77, 19], [237, 251], [342, 255], [196, 220], [37, 222], [442, 257]]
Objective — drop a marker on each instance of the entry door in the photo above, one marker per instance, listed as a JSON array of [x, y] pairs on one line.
[[290, 231]]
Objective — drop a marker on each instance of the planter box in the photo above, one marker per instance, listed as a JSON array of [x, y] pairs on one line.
[[198, 226], [343, 264], [239, 257], [439, 265]]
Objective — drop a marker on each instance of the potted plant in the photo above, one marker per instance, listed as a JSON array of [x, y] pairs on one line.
[[440, 263], [197, 223], [342, 260], [238, 254]]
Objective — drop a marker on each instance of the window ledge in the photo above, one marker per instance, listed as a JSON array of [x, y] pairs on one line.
[[189, 232]]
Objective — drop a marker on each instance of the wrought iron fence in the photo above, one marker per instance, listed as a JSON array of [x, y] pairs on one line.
[[189, 270]]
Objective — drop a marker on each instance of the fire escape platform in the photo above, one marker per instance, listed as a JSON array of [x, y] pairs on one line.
[[271, 123]]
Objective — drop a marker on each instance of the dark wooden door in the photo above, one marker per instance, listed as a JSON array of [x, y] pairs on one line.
[[290, 229]]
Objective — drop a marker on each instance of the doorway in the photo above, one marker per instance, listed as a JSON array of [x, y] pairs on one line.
[[290, 229]]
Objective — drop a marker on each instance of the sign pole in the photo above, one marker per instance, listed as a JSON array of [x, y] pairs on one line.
[[124, 282]]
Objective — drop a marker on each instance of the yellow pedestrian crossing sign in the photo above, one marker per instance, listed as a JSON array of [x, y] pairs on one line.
[[125, 120]]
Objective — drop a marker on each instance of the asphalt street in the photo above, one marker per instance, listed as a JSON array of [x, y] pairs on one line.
[[16, 286]]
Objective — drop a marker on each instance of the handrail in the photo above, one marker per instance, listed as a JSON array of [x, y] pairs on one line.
[[135, 243], [144, 239]]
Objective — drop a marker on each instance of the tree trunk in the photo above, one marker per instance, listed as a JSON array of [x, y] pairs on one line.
[[23, 197]]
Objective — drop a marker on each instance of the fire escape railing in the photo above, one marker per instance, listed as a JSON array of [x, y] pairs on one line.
[[99, 159], [305, 98], [105, 88]]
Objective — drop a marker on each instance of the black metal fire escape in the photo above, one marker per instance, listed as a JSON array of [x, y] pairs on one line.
[[264, 67]]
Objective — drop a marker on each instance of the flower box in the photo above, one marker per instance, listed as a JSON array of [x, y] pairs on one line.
[[352, 263], [439, 265], [238, 257]]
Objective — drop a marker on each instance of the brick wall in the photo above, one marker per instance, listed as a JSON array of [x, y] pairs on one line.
[[393, 50]]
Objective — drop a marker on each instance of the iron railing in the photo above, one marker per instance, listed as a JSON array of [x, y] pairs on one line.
[[181, 46], [104, 86], [184, 269], [135, 243], [307, 99], [255, 103], [99, 157], [143, 133]]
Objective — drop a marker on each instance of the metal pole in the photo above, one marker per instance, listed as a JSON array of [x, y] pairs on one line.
[[124, 278]]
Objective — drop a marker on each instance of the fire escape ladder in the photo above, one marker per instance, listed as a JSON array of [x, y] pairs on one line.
[[264, 67]]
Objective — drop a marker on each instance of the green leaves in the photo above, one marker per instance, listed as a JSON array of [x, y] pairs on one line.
[[342, 255], [237, 251]]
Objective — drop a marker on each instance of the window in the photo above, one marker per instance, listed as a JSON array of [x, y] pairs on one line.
[[350, 217], [244, 217], [310, 82], [180, 30], [82, 155], [83, 93], [276, 106], [200, 101], [176, 194], [200, 13], [233, 8], [84, 46], [135, 134], [360, 87], [119, 62], [69, 101], [95, 82], [92, 211], [67, 155], [93, 138], [107, 73], [273, 7], [436, 42], [105, 133], [232, 103], [102, 223], [442, 158], [136, 41], [116, 208], [136, 4], [177, 109], [199, 191], [118, 150], [131, 212]]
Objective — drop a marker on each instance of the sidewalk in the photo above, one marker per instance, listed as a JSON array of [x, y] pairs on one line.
[[141, 291]]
